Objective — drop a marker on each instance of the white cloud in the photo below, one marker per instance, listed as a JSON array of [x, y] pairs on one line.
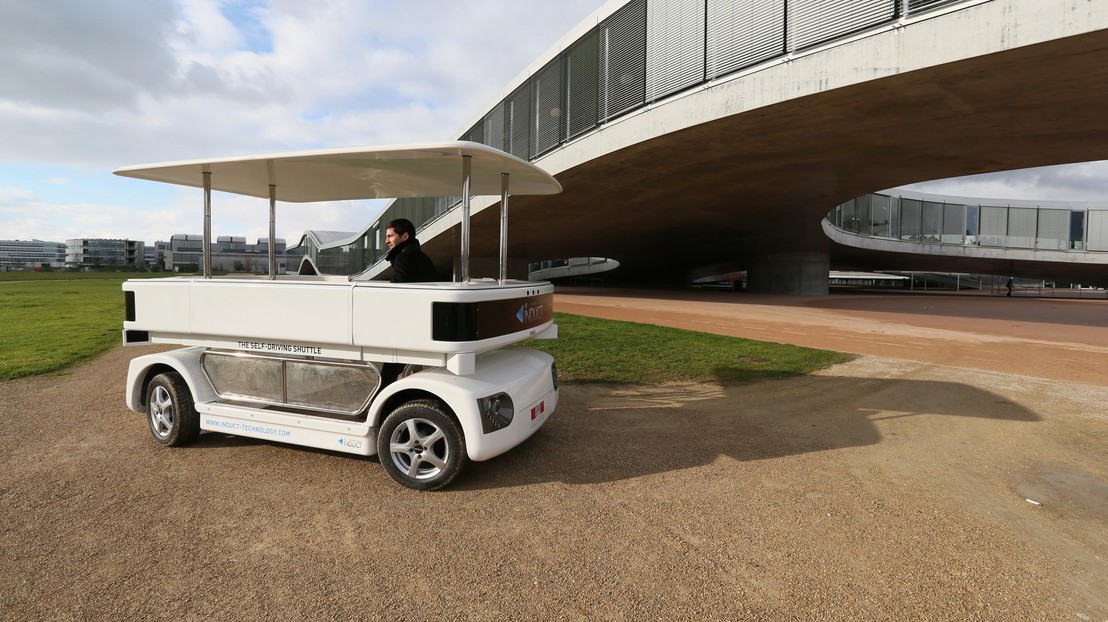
[[117, 82], [1085, 182], [13, 195], [96, 85]]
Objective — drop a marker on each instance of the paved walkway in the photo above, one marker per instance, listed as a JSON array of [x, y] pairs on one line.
[[1051, 338]]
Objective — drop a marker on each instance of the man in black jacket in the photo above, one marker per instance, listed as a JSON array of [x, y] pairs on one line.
[[409, 263]]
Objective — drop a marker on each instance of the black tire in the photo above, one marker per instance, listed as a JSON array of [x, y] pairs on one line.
[[170, 411], [421, 446]]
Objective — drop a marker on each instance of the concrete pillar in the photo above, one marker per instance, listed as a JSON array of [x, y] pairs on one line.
[[793, 274]]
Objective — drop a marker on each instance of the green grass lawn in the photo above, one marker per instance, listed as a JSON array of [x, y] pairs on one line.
[[51, 322], [595, 350]]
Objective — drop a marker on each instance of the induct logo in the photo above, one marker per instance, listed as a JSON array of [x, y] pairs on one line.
[[529, 313]]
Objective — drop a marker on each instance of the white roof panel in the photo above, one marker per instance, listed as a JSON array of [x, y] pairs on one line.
[[416, 170]]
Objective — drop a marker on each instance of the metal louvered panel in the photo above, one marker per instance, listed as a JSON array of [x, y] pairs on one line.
[[476, 133], [1054, 229], [546, 93], [812, 22], [444, 204], [674, 46], [918, 6], [1021, 227], [419, 210], [741, 33], [494, 127], [517, 122], [994, 226], [1096, 231], [583, 84], [624, 59]]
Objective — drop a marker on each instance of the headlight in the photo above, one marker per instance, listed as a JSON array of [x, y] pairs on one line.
[[497, 412]]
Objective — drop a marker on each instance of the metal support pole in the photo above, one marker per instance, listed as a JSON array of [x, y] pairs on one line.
[[503, 227], [207, 224], [467, 172], [272, 232]]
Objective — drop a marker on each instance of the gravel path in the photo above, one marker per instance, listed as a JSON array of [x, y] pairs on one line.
[[882, 489]]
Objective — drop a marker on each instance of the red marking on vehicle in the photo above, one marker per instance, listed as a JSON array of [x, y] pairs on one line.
[[538, 410]]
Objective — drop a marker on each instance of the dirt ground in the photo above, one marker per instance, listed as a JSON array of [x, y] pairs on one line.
[[956, 471]]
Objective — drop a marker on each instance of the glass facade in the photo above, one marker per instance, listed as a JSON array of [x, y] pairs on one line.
[[185, 253], [644, 51], [954, 224], [90, 254], [909, 220], [31, 254], [916, 220]]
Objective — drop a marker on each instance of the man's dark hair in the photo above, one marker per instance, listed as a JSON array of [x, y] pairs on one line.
[[400, 226]]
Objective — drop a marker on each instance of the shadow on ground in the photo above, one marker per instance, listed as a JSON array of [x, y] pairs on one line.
[[611, 432], [604, 433]]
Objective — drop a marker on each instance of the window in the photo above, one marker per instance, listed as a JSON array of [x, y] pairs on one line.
[[1021, 227], [624, 59], [954, 223], [931, 218], [1054, 229], [909, 220], [994, 225]]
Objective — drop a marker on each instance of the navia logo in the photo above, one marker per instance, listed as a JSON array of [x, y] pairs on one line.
[[529, 313]]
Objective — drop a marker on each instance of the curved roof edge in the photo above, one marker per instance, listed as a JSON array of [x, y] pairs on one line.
[[1008, 254], [993, 201], [345, 173]]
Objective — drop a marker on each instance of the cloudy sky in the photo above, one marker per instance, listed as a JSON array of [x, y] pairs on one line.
[[86, 87]]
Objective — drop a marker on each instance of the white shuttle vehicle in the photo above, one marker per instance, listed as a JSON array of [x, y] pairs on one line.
[[296, 358]]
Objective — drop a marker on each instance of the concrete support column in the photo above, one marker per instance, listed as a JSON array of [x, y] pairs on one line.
[[793, 274]]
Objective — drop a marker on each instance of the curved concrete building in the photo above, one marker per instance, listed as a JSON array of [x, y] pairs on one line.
[[914, 231], [693, 133]]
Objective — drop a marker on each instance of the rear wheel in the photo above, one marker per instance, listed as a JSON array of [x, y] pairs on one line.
[[421, 446], [170, 412]]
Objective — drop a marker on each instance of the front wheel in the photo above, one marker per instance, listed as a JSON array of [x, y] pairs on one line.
[[421, 446], [170, 412]]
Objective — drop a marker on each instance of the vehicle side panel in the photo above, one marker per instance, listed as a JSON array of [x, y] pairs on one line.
[[521, 373]]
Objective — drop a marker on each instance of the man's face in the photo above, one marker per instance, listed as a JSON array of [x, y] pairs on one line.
[[392, 239]]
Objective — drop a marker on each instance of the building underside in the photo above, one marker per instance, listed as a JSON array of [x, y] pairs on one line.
[[758, 184]]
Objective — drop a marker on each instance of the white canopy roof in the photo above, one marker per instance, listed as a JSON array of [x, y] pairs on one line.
[[416, 170]]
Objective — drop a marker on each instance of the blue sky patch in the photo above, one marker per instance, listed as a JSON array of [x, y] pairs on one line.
[[246, 15]]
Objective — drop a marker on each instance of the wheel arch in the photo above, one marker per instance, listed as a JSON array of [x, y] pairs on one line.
[[185, 362], [389, 403], [148, 375]]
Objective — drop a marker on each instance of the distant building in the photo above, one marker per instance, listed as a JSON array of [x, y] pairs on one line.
[[31, 254], [185, 253], [161, 249], [150, 256], [93, 253]]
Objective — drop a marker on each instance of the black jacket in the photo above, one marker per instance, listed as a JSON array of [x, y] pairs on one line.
[[409, 264]]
